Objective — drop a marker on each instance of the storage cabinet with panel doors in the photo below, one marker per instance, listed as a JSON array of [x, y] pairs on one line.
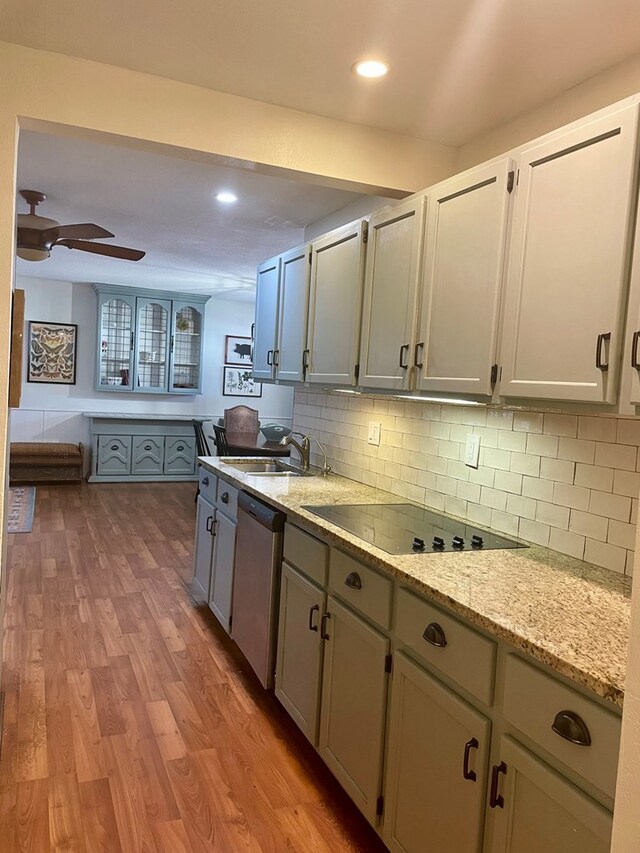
[[149, 341], [225, 525], [205, 516]]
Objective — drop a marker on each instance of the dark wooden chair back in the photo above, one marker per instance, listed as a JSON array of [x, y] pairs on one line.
[[221, 440], [202, 445], [241, 419]]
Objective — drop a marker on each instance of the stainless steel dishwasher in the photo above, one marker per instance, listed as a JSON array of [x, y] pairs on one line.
[[256, 584]]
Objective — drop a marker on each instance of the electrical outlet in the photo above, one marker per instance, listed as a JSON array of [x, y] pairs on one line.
[[472, 450], [374, 433]]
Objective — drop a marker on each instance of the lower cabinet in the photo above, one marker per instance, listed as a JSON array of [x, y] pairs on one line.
[[179, 456], [203, 552], [354, 700], [300, 650], [437, 763], [114, 455], [221, 586], [534, 809], [148, 455]]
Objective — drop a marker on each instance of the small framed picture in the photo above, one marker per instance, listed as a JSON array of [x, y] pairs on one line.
[[238, 351], [51, 351], [238, 382]]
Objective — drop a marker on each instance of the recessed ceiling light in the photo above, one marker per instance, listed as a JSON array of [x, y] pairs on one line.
[[226, 197], [371, 68]]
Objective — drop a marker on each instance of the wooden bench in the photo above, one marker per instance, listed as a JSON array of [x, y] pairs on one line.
[[32, 462]]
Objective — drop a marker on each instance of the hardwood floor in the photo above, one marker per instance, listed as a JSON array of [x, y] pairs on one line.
[[131, 724]]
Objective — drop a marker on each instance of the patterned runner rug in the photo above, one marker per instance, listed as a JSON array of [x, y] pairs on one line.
[[22, 501]]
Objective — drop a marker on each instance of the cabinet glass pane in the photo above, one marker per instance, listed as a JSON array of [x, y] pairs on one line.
[[116, 329], [186, 349], [153, 322]]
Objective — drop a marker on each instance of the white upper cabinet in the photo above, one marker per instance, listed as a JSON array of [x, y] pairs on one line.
[[335, 305], [568, 263], [462, 278], [266, 325], [391, 286], [293, 310]]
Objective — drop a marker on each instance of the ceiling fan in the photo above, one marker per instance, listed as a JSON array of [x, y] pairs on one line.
[[37, 235]]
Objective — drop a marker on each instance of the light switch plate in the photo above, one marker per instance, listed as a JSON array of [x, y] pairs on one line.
[[374, 433], [472, 450]]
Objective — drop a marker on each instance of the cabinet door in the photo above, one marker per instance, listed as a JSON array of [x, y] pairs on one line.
[[299, 658], [540, 810], [179, 455], [568, 263], [436, 766], [187, 322], [391, 287], [148, 455], [116, 324], [205, 517], [354, 691], [294, 305], [266, 321], [224, 550], [335, 305], [463, 270], [114, 455], [152, 345]]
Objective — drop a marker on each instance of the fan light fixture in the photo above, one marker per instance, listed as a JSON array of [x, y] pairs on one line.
[[32, 254], [226, 197], [371, 68]]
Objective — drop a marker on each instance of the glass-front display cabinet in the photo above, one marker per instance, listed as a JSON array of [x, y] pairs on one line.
[[149, 342]]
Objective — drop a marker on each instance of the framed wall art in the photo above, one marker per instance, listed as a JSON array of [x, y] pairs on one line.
[[238, 351], [238, 382], [51, 349]]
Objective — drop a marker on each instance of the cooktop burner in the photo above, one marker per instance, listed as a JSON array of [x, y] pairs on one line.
[[410, 529]]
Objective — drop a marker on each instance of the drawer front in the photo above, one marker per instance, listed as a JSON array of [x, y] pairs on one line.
[[227, 498], [456, 650], [114, 455], [534, 702], [208, 483], [148, 455], [306, 553], [179, 455], [364, 588]]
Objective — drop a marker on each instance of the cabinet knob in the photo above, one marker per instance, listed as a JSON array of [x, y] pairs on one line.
[[571, 727], [205, 481], [434, 634], [114, 446], [180, 447], [225, 497], [147, 447], [353, 581]]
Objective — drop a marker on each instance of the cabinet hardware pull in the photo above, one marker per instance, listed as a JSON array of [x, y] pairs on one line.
[[114, 446], [323, 622], [600, 364], [416, 350], [147, 447], [314, 609], [305, 362], [205, 481], [466, 773], [180, 447], [434, 634], [209, 523], [353, 581], [225, 497], [171, 349], [404, 349], [276, 358], [634, 351], [496, 799], [270, 357], [212, 529], [571, 727], [132, 341], [253, 331]]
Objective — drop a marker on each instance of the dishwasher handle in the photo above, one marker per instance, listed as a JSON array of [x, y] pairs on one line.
[[263, 514]]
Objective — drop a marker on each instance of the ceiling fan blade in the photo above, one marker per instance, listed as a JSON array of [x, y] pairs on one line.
[[84, 231], [102, 249]]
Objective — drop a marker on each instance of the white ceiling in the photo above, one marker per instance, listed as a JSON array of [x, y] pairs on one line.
[[459, 67], [165, 206]]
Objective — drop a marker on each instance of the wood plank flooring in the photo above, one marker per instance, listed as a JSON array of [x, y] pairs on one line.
[[131, 724]]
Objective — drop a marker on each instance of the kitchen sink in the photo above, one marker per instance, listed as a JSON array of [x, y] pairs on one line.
[[268, 468]]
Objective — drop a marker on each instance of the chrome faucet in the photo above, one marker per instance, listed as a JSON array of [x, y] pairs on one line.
[[304, 450]]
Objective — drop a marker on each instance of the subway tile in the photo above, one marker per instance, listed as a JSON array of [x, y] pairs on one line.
[[478, 514], [488, 437], [434, 499], [554, 516], [426, 480], [540, 490], [626, 483], [450, 414], [436, 465], [594, 477], [455, 506], [577, 450], [628, 570], [500, 459], [593, 526], [493, 498], [508, 482], [409, 475], [561, 425], [459, 432], [521, 506], [628, 431], [534, 531], [527, 421], [509, 440], [560, 470], [524, 463], [457, 470], [440, 430], [616, 456], [500, 419], [542, 445], [482, 476], [473, 416], [572, 496], [634, 510], [448, 449], [567, 542], [611, 506], [446, 485], [608, 556], [418, 460], [505, 522], [622, 534], [597, 429], [469, 492]]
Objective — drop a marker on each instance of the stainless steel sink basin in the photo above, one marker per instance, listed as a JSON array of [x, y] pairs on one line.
[[268, 468]]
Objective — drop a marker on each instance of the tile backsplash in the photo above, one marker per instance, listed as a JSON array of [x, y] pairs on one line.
[[569, 482]]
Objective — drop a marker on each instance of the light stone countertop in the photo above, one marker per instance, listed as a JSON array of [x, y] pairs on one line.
[[149, 416], [564, 612]]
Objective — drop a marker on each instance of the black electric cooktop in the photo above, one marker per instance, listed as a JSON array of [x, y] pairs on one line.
[[410, 529]]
